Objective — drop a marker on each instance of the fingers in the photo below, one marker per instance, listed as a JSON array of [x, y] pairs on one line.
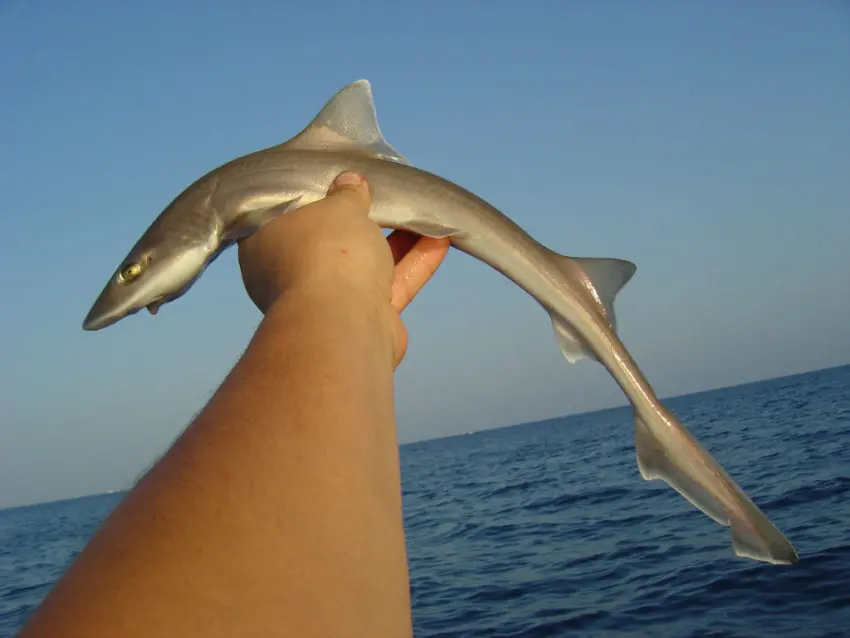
[[401, 241], [415, 267], [416, 258]]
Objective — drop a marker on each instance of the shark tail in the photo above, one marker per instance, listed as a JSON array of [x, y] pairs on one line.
[[667, 451]]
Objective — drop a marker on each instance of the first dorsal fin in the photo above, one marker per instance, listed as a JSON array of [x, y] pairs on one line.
[[348, 122]]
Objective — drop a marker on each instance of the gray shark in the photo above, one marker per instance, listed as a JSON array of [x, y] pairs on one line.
[[239, 197]]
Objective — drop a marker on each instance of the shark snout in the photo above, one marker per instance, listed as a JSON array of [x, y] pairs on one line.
[[110, 307], [98, 318]]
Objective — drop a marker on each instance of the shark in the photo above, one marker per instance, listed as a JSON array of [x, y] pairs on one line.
[[239, 197]]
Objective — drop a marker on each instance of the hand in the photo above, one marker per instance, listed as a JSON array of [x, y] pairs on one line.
[[332, 245]]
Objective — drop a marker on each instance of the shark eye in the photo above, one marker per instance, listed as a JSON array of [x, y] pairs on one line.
[[129, 272]]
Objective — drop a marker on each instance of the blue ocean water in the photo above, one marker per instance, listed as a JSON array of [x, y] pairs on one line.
[[547, 529]]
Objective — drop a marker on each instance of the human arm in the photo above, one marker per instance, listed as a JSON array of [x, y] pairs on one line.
[[278, 510]]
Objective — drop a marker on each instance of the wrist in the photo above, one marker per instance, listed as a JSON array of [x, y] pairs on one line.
[[339, 312]]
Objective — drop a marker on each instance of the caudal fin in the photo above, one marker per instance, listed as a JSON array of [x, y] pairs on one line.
[[677, 458]]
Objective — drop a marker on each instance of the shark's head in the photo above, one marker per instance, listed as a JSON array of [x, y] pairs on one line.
[[203, 220], [148, 277], [162, 265]]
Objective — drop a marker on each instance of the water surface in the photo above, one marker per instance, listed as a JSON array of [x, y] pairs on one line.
[[547, 529]]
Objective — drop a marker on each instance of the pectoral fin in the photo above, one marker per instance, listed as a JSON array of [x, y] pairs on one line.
[[430, 229], [252, 220]]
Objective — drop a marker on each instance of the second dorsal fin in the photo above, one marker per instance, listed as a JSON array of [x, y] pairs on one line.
[[348, 122], [603, 279], [606, 278]]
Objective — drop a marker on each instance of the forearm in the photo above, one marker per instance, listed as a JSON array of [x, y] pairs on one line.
[[278, 511]]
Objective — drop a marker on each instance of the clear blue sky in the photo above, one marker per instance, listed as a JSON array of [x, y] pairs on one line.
[[708, 142]]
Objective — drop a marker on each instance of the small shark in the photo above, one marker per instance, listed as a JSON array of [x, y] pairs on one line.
[[239, 197]]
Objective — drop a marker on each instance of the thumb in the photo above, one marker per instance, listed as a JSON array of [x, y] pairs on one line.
[[352, 191]]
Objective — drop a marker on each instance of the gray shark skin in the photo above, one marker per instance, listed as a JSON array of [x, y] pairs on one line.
[[239, 197]]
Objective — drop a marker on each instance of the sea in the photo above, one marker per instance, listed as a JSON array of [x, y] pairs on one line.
[[547, 529]]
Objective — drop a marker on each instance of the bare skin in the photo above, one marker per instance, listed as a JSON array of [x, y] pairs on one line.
[[278, 511]]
